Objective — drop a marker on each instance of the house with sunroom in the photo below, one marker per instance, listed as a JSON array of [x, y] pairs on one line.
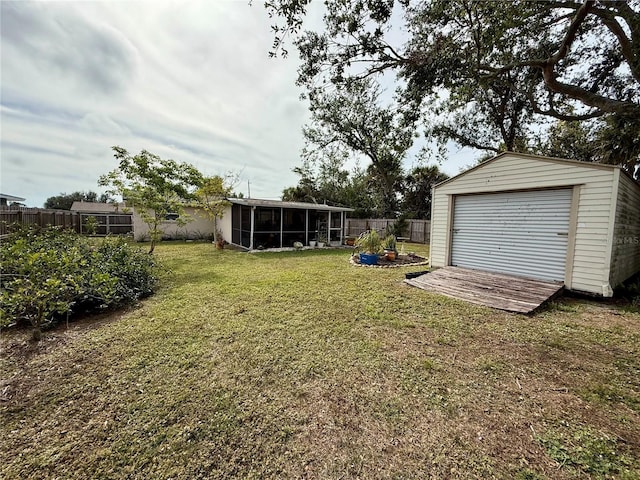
[[248, 223], [256, 224]]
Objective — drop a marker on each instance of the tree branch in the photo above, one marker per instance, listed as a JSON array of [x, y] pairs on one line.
[[570, 36], [547, 66], [443, 130], [552, 112], [606, 105], [625, 43]]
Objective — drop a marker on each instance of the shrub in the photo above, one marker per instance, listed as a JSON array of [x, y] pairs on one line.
[[48, 273], [136, 272]]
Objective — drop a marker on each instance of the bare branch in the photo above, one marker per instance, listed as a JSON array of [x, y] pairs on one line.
[[625, 43], [464, 141], [570, 36], [606, 105]]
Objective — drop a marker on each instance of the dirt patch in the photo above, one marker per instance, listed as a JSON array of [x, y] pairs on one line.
[[17, 349]]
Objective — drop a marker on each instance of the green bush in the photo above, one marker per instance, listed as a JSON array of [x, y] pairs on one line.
[[136, 272], [48, 273]]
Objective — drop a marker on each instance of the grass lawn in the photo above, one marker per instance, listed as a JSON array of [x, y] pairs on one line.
[[299, 365]]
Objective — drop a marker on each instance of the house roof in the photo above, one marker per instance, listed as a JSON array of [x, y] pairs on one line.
[[535, 157], [11, 198], [94, 207], [257, 202]]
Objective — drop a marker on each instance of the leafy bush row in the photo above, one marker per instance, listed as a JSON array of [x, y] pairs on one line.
[[48, 273]]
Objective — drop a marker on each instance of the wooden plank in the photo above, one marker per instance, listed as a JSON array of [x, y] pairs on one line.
[[503, 301], [505, 292], [481, 286], [490, 294], [498, 282], [493, 280], [480, 290]]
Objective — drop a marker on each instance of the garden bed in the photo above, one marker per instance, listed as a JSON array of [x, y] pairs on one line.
[[400, 261]]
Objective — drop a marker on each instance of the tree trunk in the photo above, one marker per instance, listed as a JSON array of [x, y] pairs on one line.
[[36, 335]]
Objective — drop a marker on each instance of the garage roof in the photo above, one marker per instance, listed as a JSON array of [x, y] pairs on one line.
[[534, 157]]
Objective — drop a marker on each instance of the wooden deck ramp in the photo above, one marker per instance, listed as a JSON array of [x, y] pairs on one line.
[[496, 290]]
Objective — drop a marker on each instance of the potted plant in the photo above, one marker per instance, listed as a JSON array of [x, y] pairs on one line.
[[312, 243], [322, 240], [369, 244], [389, 246]]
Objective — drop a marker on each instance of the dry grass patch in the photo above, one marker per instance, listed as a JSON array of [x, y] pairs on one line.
[[298, 365]]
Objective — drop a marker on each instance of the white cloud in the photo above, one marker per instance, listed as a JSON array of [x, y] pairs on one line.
[[188, 80], [185, 80]]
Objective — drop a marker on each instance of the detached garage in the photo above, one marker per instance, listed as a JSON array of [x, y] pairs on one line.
[[543, 218]]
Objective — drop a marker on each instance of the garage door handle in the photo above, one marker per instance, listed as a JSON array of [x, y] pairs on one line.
[[564, 234]]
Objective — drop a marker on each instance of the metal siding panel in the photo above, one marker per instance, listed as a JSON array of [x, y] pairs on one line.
[[522, 233]]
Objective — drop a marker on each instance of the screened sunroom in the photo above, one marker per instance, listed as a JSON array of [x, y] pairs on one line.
[[262, 224]]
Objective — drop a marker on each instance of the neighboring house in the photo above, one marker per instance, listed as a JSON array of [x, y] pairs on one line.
[[198, 228], [260, 224], [5, 199], [247, 223], [540, 217]]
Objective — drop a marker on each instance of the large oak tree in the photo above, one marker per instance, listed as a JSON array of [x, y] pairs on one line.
[[353, 118], [481, 73]]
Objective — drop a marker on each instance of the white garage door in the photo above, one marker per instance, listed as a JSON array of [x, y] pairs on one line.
[[520, 233]]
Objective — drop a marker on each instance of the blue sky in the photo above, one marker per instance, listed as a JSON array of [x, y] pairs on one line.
[[188, 80]]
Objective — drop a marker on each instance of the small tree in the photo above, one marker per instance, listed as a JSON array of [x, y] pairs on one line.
[[91, 225], [154, 187], [211, 198]]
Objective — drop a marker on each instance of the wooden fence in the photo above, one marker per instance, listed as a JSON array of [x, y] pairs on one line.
[[106, 223], [417, 230]]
